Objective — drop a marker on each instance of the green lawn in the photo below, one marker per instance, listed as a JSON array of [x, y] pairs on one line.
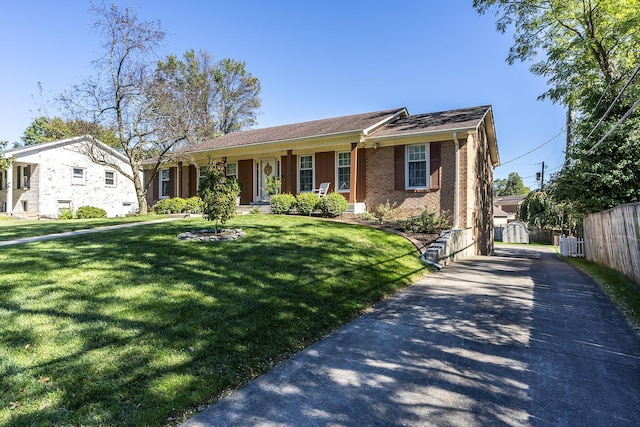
[[133, 327], [14, 229]]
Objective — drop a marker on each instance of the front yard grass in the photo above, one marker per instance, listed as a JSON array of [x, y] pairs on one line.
[[133, 327], [14, 229]]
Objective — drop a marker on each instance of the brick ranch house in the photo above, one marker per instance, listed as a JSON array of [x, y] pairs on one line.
[[440, 161]]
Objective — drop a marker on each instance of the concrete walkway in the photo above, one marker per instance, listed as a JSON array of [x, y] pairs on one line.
[[84, 231], [516, 339]]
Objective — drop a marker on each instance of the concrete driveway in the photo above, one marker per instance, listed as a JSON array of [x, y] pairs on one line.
[[516, 339]]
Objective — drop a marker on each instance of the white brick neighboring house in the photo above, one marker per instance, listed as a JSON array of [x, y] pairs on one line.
[[46, 179]]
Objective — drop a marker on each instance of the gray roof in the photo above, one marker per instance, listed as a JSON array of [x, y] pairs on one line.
[[315, 128], [463, 118]]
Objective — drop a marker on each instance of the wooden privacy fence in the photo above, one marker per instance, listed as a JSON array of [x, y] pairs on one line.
[[612, 238]]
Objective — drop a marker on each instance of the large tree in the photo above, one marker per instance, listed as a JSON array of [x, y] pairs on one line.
[[153, 115], [511, 186], [588, 51], [45, 129], [221, 96]]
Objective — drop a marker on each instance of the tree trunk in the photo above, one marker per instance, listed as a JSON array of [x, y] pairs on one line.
[[141, 193]]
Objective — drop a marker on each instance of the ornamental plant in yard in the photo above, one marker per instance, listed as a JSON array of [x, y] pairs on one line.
[[306, 203], [218, 194], [282, 203], [332, 205]]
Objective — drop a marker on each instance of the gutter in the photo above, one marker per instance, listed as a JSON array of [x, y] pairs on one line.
[[456, 188]]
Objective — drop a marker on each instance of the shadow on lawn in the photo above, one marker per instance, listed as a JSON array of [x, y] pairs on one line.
[[145, 326]]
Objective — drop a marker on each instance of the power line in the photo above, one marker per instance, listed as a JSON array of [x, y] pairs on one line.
[[538, 147], [606, 113], [623, 118]]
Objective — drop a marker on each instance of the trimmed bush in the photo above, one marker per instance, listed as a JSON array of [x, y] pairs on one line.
[[282, 203], [427, 222], [193, 204], [86, 212], [162, 206], [177, 205], [332, 205], [306, 203]]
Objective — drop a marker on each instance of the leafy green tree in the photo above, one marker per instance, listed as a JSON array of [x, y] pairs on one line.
[[539, 210], [511, 186], [218, 194], [150, 107], [221, 95], [45, 129], [588, 51], [5, 162]]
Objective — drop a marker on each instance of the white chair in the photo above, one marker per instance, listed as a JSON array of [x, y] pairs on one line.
[[323, 189]]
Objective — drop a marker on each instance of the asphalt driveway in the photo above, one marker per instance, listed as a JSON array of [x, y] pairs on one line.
[[516, 339]]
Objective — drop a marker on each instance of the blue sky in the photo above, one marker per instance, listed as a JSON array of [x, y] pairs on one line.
[[314, 60]]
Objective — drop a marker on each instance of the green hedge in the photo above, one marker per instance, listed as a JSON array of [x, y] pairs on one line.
[[86, 212], [332, 205], [282, 203], [306, 203]]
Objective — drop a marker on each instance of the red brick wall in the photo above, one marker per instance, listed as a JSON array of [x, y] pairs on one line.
[[381, 184]]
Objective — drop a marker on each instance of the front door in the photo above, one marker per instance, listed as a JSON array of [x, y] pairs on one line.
[[268, 167]]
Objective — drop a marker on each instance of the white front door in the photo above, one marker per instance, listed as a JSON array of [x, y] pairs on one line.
[[268, 167]]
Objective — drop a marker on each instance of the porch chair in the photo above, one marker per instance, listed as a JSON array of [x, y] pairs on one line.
[[323, 189]]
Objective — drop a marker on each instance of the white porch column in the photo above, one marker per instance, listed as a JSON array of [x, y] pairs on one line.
[[10, 189]]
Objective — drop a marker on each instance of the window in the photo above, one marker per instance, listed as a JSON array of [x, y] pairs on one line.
[[306, 173], [417, 166], [77, 176], [344, 171], [24, 175], [164, 183], [64, 207], [232, 170], [109, 178], [3, 179], [202, 172]]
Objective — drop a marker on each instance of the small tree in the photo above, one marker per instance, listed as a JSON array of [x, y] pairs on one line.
[[218, 194]]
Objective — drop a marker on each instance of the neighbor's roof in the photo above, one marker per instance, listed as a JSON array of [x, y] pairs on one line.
[[508, 200], [357, 123], [28, 149]]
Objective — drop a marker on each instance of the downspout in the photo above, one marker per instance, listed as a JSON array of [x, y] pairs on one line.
[[456, 190]]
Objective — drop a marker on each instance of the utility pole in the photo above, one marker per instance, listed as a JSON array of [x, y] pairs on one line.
[[540, 177], [571, 117]]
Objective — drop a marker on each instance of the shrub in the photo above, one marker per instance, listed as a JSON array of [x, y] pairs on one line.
[[193, 204], [387, 211], [273, 185], [177, 204], [255, 211], [85, 212], [306, 203], [282, 203], [163, 206], [427, 222], [66, 214], [332, 205]]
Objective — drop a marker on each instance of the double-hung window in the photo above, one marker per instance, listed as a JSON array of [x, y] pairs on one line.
[[77, 175], [232, 171], [202, 173], [164, 182], [306, 173], [109, 178], [344, 171], [417, 175]]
